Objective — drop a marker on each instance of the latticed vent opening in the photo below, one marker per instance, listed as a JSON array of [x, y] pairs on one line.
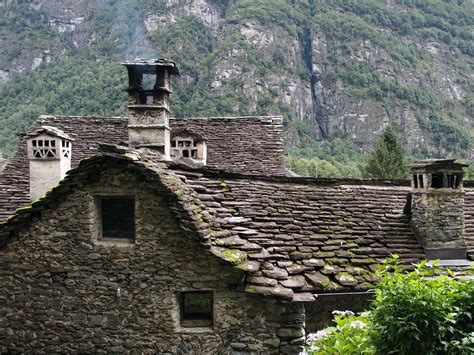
[[65, 149], [44, 148], [185, 148], [418, 181], [452, 181]]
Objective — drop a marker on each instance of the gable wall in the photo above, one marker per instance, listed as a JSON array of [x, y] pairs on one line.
[[59, 287]]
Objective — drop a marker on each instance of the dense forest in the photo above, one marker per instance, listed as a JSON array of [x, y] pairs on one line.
[[339, 72]]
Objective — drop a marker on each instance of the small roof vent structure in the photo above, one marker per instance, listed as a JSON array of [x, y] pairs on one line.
[[436, 174], [49, 152]]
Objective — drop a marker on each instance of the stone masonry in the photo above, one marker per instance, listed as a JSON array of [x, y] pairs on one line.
[[60, 285]]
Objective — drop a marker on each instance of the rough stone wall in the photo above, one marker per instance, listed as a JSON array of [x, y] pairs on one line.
[[438, 218], [59, 285]]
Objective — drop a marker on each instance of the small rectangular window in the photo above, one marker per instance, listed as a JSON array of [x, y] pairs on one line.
[[437, 181], [197, 309], [118, 217]]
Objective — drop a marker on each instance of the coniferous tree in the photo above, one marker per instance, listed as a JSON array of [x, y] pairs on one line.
[[387, 161]]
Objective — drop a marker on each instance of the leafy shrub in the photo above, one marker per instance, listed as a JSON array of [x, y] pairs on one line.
[[350, 335], [420, 312]]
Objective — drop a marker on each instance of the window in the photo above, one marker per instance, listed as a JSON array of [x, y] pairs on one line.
[[43, 148], [437, 181], [65, 149], [196, 309], [117, 217], [418, 181], [185, 147]]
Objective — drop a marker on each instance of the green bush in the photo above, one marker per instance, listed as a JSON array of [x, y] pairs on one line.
[[422, 313], [426, 311], [350, 335]]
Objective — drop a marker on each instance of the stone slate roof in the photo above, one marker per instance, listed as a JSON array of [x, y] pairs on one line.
[[294, 237], [52, 131], [309, 236], [242, 144], [251, 145]]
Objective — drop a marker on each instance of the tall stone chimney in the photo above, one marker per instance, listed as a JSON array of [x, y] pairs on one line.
[[148, 104], [49, 153], [438, 208]]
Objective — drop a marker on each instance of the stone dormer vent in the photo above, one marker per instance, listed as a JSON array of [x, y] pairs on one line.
[[186, 145], [148, 104], [49, 152], [437, 207]]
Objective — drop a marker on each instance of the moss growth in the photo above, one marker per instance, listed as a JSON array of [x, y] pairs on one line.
[[224, 186], [234, 256]]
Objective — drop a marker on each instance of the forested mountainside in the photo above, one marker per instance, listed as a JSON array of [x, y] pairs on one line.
[[339, 71]]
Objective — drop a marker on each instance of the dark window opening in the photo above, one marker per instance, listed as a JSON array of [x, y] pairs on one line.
[[197, 309], [142, 97], [437, 181], [421, 181], [451, 181], [149, 81], [194, 153], [173, 144], [118, 217], [186, 153], [457, 182], [415, 181]]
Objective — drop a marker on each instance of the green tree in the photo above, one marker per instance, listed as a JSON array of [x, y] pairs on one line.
[[387, 161]]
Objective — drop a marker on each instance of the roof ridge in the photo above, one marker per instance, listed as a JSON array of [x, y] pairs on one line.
[[210, 172], [254, 117]]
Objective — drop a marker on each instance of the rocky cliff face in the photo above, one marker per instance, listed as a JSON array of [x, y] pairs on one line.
[[335, 69]]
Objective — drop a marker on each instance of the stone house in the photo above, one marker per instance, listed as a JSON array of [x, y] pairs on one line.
[[161, 235]]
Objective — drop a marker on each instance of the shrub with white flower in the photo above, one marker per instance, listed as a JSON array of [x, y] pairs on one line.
[[349, 336]]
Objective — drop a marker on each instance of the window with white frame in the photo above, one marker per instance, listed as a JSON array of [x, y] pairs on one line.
[[184, 147], [44, 148], [65, 149]]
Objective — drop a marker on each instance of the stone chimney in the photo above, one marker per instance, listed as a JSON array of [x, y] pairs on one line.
[[49, 153], [148, 104], [437, 208]]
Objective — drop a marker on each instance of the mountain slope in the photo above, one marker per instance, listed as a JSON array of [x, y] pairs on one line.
[[342, 69]]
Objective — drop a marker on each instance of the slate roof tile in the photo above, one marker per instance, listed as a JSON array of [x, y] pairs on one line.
[[291, 266], [241, 144]]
